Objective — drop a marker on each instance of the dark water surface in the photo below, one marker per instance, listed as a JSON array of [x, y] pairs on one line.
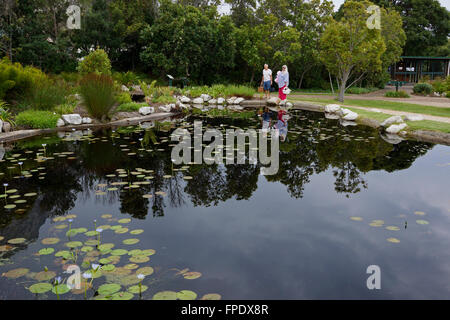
[[305, 233]]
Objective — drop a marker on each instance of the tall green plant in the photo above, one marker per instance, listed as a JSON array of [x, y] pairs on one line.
[[95, 62], [98, 95], [47, 94]]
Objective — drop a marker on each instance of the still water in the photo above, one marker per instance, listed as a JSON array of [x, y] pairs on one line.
[[343, 199]]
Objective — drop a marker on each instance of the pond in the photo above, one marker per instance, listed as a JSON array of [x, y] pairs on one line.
[[112, 203]]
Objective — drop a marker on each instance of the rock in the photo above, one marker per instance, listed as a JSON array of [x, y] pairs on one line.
[[165, 108], [220, 100], [124, 88], [74, 118], [184, 106], [136, 87], [349, 115], [1, 125], [60, 123], [61, 134], [86, 120], [289, 105], [391, 120], [185, 99], [331, 116], [396, 128], [332, 108], [146, 110], [346, 123], [391, 138], [231, 100], [212, 101], [220, 107], [414, 117], [198, 106], [197, 101], [235, 107], [205, 97], [238, 100], [273, 101], [6, 127], [147, 125]]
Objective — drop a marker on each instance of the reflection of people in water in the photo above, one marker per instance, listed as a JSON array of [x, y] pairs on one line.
[[282, 125], [266, 119]]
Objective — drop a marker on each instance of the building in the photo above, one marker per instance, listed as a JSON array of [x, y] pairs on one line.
[[413, 68]]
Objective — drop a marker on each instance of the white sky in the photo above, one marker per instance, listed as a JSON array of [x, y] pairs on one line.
[[225, 8]]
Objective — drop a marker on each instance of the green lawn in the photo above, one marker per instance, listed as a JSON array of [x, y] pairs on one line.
[[388, 105]]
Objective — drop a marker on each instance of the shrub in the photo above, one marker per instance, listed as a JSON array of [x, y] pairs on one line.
[[163, 95], [123, 97], [130, 107], [37, 119], [396, 94], [5, 115], [98, 95], [95, 62], [66, 108], [17, 80], [439, 85], [148, 90], [47, 94], [71, 77], [423, 88], [358, 90], [126, 78]]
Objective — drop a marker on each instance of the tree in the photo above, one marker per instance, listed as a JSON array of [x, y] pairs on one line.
[[349, 47]]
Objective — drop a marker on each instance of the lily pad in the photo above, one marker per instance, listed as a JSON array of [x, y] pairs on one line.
[[186, 295], [91, 233], [119, 252], [46, 251], [64, 254], [122, 296], [137, 231], [392, 228], [146, 271], [40, 287], [136, 289], [106, 216], [131, 266], [393, 240], [106, 246], [60, 289], [130, 241], [50, 241], [139, 259], [87, 249], [74, 244], [211, 296], [108, 289], [16, 273], [356, 218], [108, 267], [192, 275], [165, 295], [126, 220], [422, 222], [6, 247], [17, 240], [121, 230], [45, 275]]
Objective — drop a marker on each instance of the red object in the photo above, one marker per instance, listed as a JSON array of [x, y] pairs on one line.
[[281, 95], [281, 113]]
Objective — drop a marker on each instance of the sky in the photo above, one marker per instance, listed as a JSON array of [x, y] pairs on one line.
[[225, 8]]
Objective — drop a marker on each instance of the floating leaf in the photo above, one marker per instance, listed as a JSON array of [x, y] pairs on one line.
[[50, 241], [106, 216], [17, 240], [108, 289], [92, 233], [393, 240], [122, 296], [137, 231], [106, 246], [422, 222], [61, 226], [186, 295], [64, 254], [108, 267], [91, 242], [356, 218], [146, 271], [419, 213], [126, 220], [87, 249], [119, 252], [60, 289], [121, 230], [148, 252], [5, 248], [74, 244], [139, 259], [192, 275], [40, 287], [130, 241], [45, 275], [165, 295], [393, 228], [136, 289], [211, 296], [16, 273], [131, 266], [46, 251]]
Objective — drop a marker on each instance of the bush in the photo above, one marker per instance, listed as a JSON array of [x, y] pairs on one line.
[[66, 108], [123, 97], [220, 90], [37, 119], [17, 80], [358, 90], [98, 95], [130, 107], [396, 94], [423, 88], [5, 115], [95, 62], [126, 78], [46, 95]]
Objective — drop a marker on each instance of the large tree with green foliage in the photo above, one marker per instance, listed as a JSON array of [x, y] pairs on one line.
[[349, 47]]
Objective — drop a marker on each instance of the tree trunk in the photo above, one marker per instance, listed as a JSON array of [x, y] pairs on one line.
[[253, 76], [343, 85]]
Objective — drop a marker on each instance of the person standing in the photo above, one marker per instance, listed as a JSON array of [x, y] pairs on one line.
[[283, 82], [266, 80]]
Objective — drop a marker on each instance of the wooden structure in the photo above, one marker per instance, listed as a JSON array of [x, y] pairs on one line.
[[413, 68]]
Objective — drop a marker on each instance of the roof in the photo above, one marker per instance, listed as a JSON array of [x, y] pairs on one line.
[[425, 58]]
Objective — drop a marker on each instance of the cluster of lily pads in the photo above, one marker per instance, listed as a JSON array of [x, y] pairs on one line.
[[106, 271], [381, 223]]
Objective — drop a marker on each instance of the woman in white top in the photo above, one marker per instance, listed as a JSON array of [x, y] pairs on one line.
[[267, 80]]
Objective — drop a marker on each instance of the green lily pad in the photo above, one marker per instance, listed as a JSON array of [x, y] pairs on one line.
[[16, 273], [104, 261], [106, 216], [211, 296], [64, 254], [50, 241], [139, 259], [91, 233], [61, 226], [135, 252], [108, 289], [119, 252], [106, 246], [122, 296], [137, 231], [91, 242], [129, 279], [46, 251], [131, 266], [165, 295], [116, 227], [126, 220], [45, 275], [130, 241], [192, 275], [40, 287], [81, 230], [186, 295], [60, 289], [87, 249], [17, 240], [146, 271], [422, 222], [108, 267], [74, 244], [31, 194], [121, 230], [148, 252], [136, 289], [393, 240]]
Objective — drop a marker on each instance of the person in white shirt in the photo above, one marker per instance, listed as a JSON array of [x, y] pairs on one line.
[[266, 80]]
